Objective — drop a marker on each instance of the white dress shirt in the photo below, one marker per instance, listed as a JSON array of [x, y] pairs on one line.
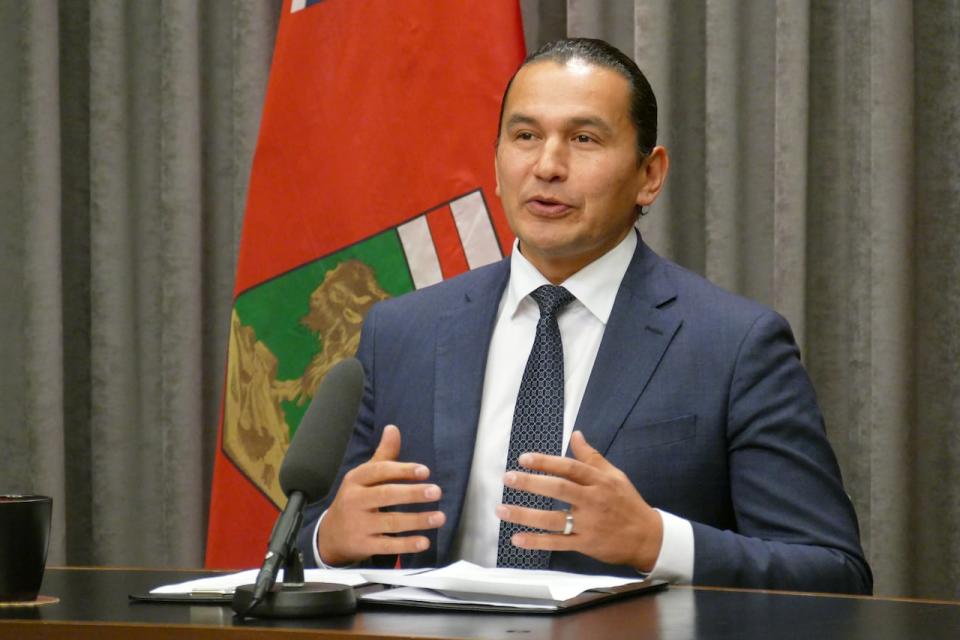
[[582, 324]]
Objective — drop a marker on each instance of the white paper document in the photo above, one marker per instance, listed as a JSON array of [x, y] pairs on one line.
[[226, 583], [410, 595], [466, 577], [462, 585]]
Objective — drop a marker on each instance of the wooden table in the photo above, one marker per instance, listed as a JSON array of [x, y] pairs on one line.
[[94, 605]]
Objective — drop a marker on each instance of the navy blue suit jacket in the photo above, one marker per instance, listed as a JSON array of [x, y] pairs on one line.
[[697, 395]]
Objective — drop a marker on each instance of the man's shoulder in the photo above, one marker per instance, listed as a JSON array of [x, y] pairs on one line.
[[488, 280], [698, 297]]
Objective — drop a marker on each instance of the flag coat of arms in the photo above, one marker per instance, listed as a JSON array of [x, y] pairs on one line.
[[373, 176]]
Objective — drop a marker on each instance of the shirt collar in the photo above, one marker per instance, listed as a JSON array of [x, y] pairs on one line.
[[595, 286]]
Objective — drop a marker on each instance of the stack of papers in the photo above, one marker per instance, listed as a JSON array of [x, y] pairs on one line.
[[227, 583], [462, 585], [468, 584]]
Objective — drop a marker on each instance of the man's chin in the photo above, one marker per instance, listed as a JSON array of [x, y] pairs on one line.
[[555, 251], [550, 237]]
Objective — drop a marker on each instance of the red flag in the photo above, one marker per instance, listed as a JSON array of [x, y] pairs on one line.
[[373, 175]]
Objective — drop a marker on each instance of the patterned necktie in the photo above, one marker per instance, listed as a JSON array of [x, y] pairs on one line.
[[537, 421]]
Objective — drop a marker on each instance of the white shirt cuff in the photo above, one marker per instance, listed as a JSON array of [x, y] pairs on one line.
[[316, 549], [675, 562]]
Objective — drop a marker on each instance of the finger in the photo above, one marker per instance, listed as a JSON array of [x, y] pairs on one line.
[[549, 486], [395, 545], [399, 522], [545, 541], [568, 468], [586, 454], [561, 467], [389, 495], [373, 472], [389, 447], [535, 518]]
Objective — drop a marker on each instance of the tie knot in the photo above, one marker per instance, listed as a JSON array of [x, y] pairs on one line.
[[551, 299]]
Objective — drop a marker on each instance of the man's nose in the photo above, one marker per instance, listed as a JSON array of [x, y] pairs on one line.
[[551, 164]]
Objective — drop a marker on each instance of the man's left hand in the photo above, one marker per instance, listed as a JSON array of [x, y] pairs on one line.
[[611, 520]]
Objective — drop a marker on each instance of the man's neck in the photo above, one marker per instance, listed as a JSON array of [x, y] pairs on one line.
[[558, 269]]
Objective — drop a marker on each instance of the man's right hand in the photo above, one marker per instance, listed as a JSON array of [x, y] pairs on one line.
[[354, 528]]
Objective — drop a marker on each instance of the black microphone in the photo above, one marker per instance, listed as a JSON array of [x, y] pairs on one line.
[[313, 458], [308, 470]]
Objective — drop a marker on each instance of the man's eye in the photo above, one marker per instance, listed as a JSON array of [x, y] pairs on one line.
[[524, 135], [583, 138]]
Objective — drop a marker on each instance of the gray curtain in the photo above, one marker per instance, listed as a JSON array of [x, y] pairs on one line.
[[814, 168], [126, 135]]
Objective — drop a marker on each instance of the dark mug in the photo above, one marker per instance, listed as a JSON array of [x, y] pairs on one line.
[[24, 536]]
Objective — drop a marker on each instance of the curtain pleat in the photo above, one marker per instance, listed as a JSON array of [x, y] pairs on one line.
[[814, 168], [934, 444], [180, 320], [116, 255], [722, 142], [611, 20], [543, 21], [74, 153], [791, 131], [652, 32], [885, 480], [676, 40], [16, 438], [40, 176]]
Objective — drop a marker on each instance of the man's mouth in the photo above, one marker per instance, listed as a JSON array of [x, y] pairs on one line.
[[545, 206]]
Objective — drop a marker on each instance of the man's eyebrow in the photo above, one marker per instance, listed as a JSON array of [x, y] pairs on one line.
[[597, 123], [519, 118], [581, 121]]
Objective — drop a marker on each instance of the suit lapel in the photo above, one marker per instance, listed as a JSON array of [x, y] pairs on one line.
[[641, 326], [463, 341]]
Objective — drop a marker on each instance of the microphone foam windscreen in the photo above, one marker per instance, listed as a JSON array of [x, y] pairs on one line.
[[314, 455]]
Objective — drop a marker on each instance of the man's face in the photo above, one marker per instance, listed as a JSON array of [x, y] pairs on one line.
[[567, 170]]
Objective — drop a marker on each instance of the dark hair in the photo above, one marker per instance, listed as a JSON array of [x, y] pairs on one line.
[[643, 104]]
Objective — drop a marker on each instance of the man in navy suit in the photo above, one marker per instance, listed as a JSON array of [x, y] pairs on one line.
[[695, 450]]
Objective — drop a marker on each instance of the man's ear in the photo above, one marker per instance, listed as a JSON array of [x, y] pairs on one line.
[[496, 168], [653, 175]]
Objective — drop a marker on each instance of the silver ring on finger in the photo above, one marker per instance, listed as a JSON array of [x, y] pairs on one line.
[[568, 525]]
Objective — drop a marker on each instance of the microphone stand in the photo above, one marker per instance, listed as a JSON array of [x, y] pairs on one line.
[[339, 396], [295, 598]]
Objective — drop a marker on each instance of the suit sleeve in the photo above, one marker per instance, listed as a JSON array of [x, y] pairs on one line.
[[362, 444], [795, 526]]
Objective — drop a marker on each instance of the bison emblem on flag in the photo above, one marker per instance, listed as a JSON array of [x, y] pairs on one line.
[[285, 334]]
